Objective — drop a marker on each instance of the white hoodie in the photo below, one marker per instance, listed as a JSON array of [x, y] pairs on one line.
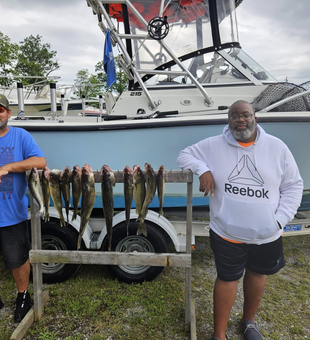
[[255, 187]]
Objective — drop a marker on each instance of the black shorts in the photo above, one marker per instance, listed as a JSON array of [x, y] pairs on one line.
[[15, 244], [232, 258]]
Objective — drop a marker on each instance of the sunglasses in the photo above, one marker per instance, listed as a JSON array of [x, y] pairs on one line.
[[2, 109]]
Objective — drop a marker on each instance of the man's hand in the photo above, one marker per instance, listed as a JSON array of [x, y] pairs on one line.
[[206, 183], [3, 173]]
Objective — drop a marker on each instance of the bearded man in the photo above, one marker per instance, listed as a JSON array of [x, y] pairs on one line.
[[18, 153], [255, 190]]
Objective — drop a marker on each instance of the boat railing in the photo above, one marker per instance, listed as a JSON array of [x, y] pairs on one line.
[[116, 38], [283, 101], [37, 89]]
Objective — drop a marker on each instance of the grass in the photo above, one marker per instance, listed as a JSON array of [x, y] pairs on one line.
[[94, 306]]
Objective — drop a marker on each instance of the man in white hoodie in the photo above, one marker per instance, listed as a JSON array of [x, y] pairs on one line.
[[255, 190]]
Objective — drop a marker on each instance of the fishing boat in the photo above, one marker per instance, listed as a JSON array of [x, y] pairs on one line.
[[185, 67], [34, 100]]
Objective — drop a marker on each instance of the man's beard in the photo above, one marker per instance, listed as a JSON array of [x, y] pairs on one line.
[[3, 124], [243, 135]]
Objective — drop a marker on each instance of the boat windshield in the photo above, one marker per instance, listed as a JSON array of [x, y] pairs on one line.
[[189, 28], [212, 67]]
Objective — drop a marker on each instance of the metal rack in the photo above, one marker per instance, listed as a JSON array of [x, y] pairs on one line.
[[38, 256]]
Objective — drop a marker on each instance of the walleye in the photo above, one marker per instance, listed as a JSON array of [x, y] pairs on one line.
[[128, 193], [150, 192], [53, 178], [34, 185], [88, 199], [161, 188], [46, 192], [138, 188], [76, 189], [107, 184], [65, 178]]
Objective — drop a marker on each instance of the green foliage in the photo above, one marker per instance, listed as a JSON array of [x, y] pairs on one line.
[[87, 84], [31, 57], [8, 55], [36, 58], [121, 83]]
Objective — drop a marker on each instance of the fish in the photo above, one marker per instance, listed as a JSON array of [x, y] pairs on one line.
[[88, 199], [46, 192], [34, 184], [53, 178], [128, 193], [150, 192], [138, 188], [76, 189], [161, 188], [65, 178], [107, 184]]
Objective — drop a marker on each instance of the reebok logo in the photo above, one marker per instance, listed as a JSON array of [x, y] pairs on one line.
[[246, 191], [245, 173]]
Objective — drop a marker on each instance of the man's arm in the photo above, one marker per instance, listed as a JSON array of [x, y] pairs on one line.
[[22, 166]]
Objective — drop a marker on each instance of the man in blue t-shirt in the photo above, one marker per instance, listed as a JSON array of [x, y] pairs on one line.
[[18, 153]]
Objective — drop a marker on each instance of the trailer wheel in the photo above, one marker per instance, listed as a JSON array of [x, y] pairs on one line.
[[154, 243], [55, 237]]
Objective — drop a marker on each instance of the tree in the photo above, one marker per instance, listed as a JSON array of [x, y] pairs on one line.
[[121, 83], [87, 84], [35, 58], [8, 55]]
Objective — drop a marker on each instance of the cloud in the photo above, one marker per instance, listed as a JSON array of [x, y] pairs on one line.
[[275, 34]]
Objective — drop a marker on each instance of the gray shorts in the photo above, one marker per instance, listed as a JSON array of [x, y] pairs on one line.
[[15, 244]]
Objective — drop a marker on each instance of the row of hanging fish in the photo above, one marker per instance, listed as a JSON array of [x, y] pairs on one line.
[[138, 186]]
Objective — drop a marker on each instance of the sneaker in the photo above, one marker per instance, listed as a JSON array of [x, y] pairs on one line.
[[1, 304], [23, 305], [217, 339], [251, 331]]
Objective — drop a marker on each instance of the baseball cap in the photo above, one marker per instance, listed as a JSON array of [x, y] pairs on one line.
[[4, 101]]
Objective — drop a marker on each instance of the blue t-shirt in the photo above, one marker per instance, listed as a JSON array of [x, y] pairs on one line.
[[17, 145]]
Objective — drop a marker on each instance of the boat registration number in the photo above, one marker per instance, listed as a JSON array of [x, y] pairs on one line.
[[293, 227]]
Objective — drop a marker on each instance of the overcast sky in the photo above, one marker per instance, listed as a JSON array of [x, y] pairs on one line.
[[273, 32]]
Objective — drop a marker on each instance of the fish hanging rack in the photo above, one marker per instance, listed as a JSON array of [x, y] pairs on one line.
[[38, 256]]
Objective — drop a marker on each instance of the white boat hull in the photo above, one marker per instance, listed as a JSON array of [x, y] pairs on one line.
[[155, 141]]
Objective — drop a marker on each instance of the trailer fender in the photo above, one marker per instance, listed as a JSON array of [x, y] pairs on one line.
[[75, 224], [151, 216]]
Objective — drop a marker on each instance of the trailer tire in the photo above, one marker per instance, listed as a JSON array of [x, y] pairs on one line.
[[155, 242], [55, 237]]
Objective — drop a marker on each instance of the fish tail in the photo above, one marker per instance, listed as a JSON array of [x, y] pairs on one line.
[[79, 242], [127, 227], [110, 242], [39, 214], [62, 222], [73, 216], [46, 217], [141, 216], [142, 229]]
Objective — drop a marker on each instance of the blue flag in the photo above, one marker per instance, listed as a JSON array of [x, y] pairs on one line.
[[108, 60]]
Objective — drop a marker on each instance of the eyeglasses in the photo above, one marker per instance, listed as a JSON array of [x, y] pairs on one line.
[[2, 109], [245, 116]]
